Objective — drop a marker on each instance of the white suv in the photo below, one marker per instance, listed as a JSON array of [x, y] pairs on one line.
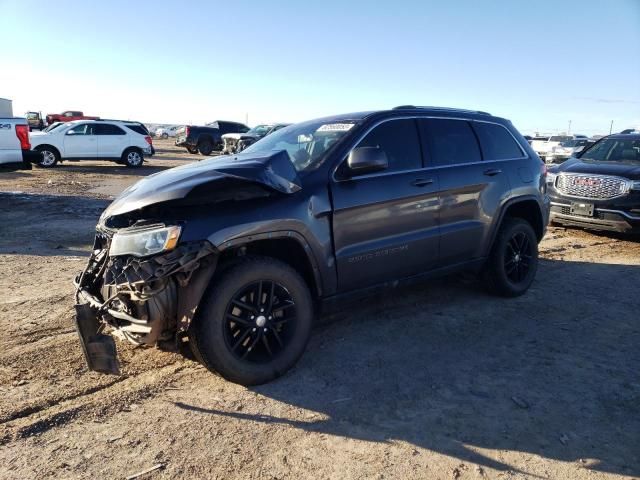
[[166, 132], [120, 141]]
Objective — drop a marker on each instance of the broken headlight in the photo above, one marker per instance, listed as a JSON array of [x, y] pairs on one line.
[[143, 242]]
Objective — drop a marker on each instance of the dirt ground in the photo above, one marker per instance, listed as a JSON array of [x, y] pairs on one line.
[[438, 381]]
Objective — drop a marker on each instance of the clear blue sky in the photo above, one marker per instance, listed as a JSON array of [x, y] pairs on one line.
[[539, 63]]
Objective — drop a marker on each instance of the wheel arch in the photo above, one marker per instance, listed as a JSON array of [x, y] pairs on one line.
[[289, 247], [527, 208], [48, 145]]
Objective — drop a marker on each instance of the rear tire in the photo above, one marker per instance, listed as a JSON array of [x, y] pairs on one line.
[[193, 150], [205, 147], [254, 321], [513, 262], [50, 156], [164, 136], [132, 157]]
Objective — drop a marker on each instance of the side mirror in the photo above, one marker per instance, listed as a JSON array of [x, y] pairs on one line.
[[71, 132], [364, 160]]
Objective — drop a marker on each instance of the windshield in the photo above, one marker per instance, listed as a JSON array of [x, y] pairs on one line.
[[52, 126], [559, 138], [306, 143], [569, 143], [614, 150], [212, 124]]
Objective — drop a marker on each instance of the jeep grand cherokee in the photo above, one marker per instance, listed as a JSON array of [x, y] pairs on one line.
[[234, 255]]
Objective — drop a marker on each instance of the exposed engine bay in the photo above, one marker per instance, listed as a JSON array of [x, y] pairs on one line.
[[144, 300]]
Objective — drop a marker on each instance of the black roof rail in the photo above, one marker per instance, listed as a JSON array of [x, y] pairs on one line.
[[441, 109], [116, 120]]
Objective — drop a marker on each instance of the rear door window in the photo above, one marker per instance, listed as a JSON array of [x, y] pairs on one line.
[[450, 142], [399, 140], [107, 129], [496, 142]]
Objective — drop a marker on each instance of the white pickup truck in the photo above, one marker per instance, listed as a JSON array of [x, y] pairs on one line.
[[15, 146]]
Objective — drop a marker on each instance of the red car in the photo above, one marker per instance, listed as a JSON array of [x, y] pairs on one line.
[[68, 116]]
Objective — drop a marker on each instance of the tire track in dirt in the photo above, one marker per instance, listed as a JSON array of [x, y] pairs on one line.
[[97, 403]]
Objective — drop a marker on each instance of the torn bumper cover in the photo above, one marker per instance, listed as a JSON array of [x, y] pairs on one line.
[[146, 301]]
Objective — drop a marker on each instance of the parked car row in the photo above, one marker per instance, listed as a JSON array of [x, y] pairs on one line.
[[237, 142], [208, 138]]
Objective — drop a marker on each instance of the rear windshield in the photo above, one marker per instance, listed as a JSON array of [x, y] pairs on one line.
[[614, 150], [559, 138]]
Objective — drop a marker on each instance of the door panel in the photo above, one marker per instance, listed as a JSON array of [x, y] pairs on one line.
[[111, 140], [384, 228], [82, 143], [385, 225], [471, 189], [470, 201]]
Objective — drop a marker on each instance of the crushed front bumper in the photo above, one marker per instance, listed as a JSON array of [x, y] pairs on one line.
[[146, 301]]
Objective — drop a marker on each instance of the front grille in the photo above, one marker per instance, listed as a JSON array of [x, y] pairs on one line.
[[599, 187]]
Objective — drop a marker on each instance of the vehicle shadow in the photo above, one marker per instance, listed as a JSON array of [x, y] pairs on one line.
[[448, 368]]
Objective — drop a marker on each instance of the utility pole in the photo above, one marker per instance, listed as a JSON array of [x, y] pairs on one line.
[[246, 118], [569, 129], [611, 127]]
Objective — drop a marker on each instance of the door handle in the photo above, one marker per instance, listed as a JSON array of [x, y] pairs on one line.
[[492, 172], [422, 182]]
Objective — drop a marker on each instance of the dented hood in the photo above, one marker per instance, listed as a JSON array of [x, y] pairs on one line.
[[273, 170]]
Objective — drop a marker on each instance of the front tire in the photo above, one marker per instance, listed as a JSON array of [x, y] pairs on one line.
[[513, 262], [192, 150], [164, 136], [50, 156], [254, 322], [132, 158]]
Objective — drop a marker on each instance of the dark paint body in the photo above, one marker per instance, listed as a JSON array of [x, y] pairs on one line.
[[620, 214], [356, 232]]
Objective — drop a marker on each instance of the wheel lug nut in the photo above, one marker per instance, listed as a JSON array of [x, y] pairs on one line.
[[270, 317], [265, 329], [254, 330], [262, 310]]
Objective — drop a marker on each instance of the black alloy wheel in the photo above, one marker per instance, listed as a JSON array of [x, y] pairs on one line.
[[260, 321], [513, 262], [254, 321], [517, 257]]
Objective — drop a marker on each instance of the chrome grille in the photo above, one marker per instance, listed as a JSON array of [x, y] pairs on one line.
[[599, 187]]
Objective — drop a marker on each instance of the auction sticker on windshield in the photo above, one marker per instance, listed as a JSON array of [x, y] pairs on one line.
[[335, 127]]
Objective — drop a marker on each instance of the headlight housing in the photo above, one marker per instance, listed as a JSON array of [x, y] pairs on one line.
[[551, 178], [635, 185], [143, 242]]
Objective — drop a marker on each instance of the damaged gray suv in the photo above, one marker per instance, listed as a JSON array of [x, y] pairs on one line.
[[235, 256]]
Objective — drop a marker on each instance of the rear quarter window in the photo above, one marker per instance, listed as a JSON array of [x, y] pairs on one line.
[[496, 142], [138, 129]]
